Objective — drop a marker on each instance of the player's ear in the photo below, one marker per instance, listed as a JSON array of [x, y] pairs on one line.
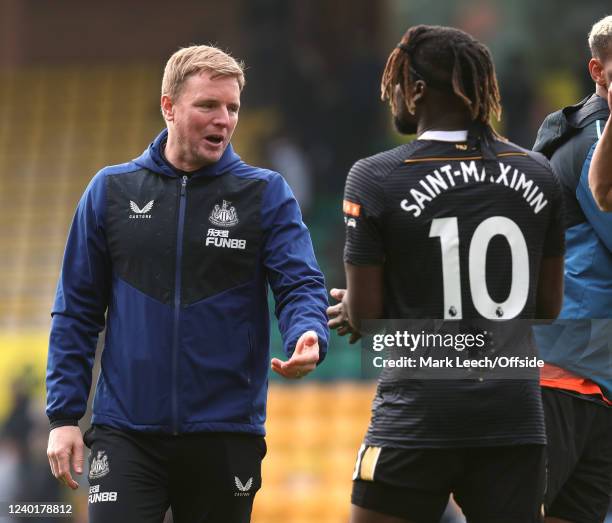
[[419, 88], [597, 71], [167, 108], [416, 93]]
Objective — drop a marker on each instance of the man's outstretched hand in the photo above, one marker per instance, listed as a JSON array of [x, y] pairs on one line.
[[338, 318], [303, 360], [65, 449]]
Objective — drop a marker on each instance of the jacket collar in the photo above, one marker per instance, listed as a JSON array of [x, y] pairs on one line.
[[558, 127]]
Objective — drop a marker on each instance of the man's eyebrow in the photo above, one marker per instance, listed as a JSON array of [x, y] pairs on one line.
[[215, 101]]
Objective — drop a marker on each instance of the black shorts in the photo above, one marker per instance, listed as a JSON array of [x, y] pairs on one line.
[[579, 457], [205, 477], [490, 484]]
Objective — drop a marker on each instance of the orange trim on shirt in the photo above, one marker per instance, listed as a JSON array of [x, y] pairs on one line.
[[557, 378], [458, 158]]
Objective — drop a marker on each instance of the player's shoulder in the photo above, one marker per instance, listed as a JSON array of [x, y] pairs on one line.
[[564, 130], [533, 164], [97, 182], [581, 143], [121, 168], [252, 172], [505, 148], [380, 165]]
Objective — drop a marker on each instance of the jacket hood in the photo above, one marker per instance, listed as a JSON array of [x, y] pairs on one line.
[[153, 159], [559, 126]]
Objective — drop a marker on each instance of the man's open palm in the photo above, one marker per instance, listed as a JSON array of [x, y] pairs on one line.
[[303, 360]]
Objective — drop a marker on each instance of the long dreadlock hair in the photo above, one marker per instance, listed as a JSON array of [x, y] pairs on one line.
[[448, 59]]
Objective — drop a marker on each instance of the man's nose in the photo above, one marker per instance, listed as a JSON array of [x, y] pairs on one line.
[[222, 117]]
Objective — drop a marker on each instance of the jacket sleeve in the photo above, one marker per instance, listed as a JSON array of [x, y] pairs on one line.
[[293, 273], [600, 221], [78, 311]]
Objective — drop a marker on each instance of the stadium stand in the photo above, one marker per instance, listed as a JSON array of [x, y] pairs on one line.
[[314, 432], [58, 127]]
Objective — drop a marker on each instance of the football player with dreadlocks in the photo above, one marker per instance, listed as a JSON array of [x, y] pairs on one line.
[[460, 224]]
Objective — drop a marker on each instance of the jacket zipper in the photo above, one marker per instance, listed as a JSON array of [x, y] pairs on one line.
[[177, 303]]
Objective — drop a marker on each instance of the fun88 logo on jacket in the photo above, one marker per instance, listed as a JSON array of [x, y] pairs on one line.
[[220, 238]]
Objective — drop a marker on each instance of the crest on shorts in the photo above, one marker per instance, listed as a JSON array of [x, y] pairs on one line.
[[99, 466], [224, 215]]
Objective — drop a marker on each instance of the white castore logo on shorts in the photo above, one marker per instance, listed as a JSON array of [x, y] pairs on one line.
[[224, 215], [244, 489], [141, 213], [99, 466]]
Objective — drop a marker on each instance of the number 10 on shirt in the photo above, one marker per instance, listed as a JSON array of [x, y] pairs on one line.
[[448, 231]]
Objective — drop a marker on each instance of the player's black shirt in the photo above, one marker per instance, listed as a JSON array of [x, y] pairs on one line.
[[458, 238]]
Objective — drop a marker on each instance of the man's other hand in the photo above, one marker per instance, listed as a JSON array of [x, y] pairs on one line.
[[65, 449], [338, 318], [303, 360]]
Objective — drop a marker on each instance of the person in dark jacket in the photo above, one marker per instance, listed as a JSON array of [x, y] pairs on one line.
[[177, 248], [577, 378]]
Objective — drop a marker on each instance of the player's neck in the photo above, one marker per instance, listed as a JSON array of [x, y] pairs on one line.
[[177, 158], [439, 118], [601, 91], [442, 125]]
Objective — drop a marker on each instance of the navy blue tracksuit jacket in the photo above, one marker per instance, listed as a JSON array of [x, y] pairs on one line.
[[180, 265]]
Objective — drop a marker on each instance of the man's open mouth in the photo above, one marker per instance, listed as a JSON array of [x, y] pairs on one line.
[[214, 138]]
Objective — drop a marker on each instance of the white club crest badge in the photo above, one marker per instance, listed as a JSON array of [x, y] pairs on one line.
[[224, 215], [99, 466]]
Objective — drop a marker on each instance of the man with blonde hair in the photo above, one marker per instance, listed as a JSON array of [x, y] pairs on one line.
[[577, 378], [177, 248]]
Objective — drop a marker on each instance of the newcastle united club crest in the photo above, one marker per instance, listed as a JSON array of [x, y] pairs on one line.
[[224, 215]]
